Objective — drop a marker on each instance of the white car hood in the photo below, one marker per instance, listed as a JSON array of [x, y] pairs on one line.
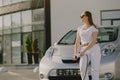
[[64, 51]]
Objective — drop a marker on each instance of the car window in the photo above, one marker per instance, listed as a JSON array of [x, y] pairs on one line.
[[106, 34], [69, 38]]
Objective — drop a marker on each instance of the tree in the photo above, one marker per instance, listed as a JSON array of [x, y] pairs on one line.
[[35, 50], [28, 44]]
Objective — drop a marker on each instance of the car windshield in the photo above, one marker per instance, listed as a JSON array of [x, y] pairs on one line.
[[106, 34], [69, 38]]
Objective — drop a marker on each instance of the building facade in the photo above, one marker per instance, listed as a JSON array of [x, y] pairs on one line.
[[18, 19]]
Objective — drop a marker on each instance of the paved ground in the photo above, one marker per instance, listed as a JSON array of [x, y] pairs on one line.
[[19, 74]]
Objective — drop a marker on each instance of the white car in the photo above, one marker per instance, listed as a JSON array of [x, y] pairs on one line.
[[57, 63]]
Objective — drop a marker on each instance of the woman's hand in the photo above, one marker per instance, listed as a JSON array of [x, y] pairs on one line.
[[81, 53], [74, 58]]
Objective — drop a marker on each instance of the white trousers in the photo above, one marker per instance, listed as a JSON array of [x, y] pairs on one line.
[[94, 57]]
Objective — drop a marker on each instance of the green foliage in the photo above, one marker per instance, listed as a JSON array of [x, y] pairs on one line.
[[28, 44], [35, 46]]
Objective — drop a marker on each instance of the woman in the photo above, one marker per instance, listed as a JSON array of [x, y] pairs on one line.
[[90, 52]]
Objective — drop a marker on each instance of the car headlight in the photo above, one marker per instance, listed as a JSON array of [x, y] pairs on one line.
[[49, 52], [108, 49], [41, 76], [108, 76]]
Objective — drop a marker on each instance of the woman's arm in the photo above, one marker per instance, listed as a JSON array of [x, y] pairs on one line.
[[91, 44], [77, 44]]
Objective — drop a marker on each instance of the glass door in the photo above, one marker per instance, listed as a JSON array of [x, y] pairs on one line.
[[16, 48], [1, 53], [7, 49]]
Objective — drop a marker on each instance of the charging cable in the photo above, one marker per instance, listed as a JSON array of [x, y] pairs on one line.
[[77, 57], [86, 68]]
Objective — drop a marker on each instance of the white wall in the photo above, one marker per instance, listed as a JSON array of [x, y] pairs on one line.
[[65, 14]]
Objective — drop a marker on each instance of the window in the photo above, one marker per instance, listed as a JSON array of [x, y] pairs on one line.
[[0, 3], [6, 2], [38, 15], [106, 22], [1, 22], [25, 0], [110, 17], [110, 14], [7, 21], [26, 17], [38, 19], [69, 38], [16, 48], [107, 34], [26, 21], [116, 22], [15, 1], [27, 29], [16, 21]]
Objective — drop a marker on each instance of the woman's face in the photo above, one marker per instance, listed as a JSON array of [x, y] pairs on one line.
[[84, 18]]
